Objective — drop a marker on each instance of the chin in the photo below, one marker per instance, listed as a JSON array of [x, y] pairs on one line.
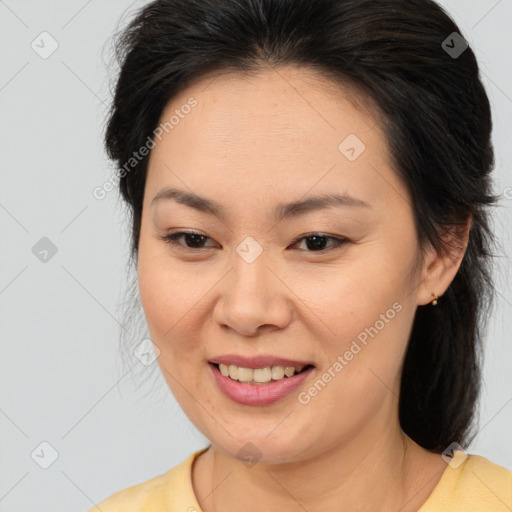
[[260, 448]]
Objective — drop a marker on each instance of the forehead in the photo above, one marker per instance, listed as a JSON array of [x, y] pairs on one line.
[[282, 132], [280, 102]]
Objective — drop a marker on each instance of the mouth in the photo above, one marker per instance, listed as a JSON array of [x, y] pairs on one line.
[[259, 386]]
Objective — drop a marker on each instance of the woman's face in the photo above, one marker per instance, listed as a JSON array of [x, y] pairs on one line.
[[257, 283]]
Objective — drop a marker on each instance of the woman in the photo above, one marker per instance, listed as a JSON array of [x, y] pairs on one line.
[[309, 183]]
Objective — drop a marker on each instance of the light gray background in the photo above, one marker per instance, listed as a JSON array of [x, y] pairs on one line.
[[61, 378]]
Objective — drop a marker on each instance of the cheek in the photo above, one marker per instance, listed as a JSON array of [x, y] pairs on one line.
[[166, 290], [367, 353], [171, 301], [351, 297], [171, 307], [366, 315]]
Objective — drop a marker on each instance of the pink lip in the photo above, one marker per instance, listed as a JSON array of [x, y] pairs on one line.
[[257, 361], [265, 394]]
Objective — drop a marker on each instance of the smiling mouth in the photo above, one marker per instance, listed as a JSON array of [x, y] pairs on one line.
[[259, 376]]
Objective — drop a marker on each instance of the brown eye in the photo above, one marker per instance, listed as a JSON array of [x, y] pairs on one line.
[[192, 240], [315, 242]]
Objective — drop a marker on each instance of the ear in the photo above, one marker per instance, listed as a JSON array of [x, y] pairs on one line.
[[439, 270]]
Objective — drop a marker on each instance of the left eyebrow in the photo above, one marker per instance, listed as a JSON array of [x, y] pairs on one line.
[[281, 211]]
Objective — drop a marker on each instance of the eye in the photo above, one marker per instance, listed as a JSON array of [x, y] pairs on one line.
[[315, 242], [195, 239]]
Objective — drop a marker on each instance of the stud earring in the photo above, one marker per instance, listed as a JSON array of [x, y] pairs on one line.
[[434, 302]]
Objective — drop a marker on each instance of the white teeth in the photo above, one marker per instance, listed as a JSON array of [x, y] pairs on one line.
[[277, 372], [259, 375], [233, 371], [245, 374], [263, 374]]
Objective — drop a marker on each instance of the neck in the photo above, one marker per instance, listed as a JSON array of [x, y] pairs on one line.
[[379, 468]]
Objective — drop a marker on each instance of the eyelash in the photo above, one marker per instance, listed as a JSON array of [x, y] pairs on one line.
[[172, 239]]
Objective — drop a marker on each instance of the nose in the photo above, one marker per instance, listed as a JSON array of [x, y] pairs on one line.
[[253, 298]]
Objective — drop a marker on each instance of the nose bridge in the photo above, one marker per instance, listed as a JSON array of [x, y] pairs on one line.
[[250, 274], [252, 295]]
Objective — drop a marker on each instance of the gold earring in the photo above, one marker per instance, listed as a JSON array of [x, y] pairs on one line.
[[434, 302]]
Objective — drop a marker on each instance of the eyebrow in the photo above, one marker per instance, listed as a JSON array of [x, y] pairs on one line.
[[281, 211]]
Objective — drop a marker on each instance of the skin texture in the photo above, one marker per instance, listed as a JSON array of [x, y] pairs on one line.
[[249, 144]]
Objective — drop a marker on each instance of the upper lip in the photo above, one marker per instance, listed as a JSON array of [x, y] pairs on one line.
[[260, 361]]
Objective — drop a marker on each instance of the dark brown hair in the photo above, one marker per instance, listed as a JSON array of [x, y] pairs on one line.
[[436, 117]]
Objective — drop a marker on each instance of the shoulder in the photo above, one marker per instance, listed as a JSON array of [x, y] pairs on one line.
[[479, 463], [472, 483], [487, 477], [136, 497], [156, 494]]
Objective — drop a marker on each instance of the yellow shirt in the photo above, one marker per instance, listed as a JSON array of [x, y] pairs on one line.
[[469, 484]]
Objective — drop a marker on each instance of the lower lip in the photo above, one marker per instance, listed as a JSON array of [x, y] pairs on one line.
[[263, 394]]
